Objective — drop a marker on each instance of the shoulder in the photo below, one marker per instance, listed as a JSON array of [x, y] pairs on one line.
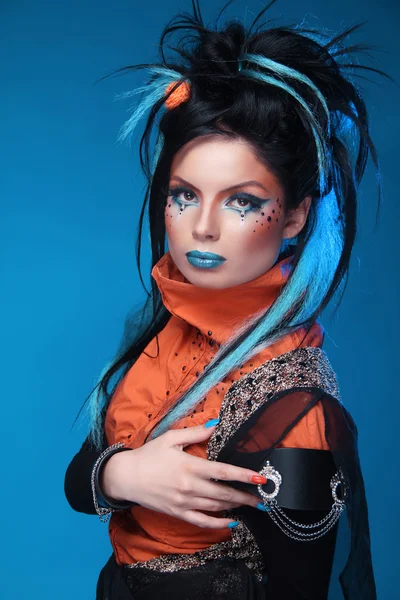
[[283, 401], [303, 369]]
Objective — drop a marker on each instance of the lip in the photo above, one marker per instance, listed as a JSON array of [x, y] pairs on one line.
[[204, 260], [206, 255]]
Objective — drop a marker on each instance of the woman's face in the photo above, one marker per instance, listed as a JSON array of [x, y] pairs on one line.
[[224, 202]]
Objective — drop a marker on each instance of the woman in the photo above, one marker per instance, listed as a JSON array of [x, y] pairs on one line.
[[223, 453]]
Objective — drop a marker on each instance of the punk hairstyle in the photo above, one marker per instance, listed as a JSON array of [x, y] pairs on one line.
[[290, 92]]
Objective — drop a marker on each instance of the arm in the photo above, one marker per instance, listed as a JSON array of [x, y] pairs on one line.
[[295, 570], [300, 569], [78, 478]]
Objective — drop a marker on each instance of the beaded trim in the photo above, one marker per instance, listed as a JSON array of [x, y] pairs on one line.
[[104, 513], [241, 546], [299, 368]]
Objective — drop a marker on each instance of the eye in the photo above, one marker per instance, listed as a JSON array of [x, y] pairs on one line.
[[246, 202], [181, 195]]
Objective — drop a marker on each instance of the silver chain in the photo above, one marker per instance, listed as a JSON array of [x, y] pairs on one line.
[[285, 523], [277, 517], [104, 513]]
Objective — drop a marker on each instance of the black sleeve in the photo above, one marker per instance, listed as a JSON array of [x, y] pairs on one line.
[[294, 570], [77, 482]]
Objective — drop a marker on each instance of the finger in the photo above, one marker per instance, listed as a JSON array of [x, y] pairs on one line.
[[190, 435], [212, 505], [225, 493], [206, 521], [210, 469]]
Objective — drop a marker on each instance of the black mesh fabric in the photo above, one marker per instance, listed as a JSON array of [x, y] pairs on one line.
[[253, 443]]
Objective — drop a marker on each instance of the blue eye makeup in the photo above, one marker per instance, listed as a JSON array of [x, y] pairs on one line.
[[255, 203], [175, 192]]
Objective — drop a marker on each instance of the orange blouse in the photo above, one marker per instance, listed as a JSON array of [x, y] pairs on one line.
[[202, 319]]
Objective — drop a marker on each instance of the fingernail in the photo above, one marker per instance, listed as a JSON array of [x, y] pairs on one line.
[[233, 524], [212, 422], [261, 506], [259, 479]]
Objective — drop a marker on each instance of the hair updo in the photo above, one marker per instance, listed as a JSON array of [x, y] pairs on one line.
[[284, 90]]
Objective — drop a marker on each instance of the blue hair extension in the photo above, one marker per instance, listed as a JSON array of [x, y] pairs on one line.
[[310, 281], [280, 69], [314, 272], [153, 92], [157, 150], [96, 403], [322, 149]]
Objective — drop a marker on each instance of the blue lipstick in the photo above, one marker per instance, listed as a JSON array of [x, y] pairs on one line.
[[204, 260]]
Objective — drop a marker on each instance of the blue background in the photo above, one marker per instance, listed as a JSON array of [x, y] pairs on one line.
[[70, 198]]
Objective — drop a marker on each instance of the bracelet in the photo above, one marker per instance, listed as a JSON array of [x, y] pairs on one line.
[[299, 531], [104, 513]]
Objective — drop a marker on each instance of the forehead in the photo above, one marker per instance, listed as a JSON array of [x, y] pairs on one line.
[[221, 162]]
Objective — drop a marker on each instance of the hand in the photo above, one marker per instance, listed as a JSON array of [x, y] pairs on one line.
[[161, 476]]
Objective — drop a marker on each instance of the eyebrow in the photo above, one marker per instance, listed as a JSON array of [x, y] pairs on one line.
[[232, 187]]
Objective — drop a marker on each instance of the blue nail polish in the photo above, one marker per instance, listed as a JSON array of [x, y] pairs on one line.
[[261, 506], [212, 422], [233, 524]]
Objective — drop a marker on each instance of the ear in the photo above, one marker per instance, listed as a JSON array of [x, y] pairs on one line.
[[296, 218]]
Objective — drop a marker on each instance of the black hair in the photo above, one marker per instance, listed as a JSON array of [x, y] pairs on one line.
[[224, 102]]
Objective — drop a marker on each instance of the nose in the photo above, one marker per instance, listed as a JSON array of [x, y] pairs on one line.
[[206, 225]]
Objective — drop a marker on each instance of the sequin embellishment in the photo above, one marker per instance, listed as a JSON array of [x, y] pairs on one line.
[[307, 367]]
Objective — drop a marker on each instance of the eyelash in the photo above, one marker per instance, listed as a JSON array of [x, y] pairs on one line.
[[255, 203]]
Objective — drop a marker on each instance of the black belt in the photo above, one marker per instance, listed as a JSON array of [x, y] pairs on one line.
[[306, 476]]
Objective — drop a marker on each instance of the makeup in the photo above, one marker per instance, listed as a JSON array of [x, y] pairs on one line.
[[204, 260]]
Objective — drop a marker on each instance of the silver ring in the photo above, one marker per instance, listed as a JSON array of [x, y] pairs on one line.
[[271, 474], [337, 480]]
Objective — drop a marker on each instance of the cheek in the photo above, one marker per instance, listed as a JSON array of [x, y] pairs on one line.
[[175, 228], [258, 228]]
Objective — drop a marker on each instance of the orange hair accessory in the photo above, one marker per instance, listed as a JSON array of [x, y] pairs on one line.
[[181, 94]]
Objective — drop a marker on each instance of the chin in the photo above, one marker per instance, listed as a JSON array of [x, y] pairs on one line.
[[209, 278]]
